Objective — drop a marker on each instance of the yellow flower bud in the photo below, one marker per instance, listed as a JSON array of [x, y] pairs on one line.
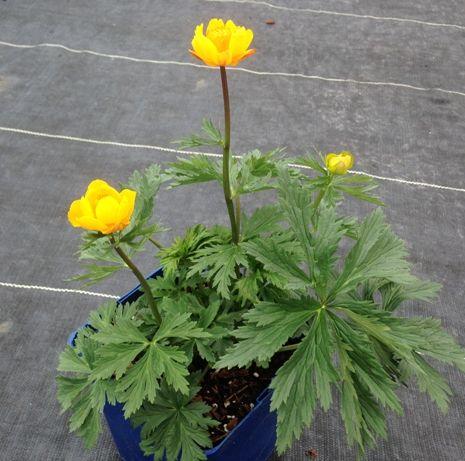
[[339, 163], [102, 208], [223, 44]]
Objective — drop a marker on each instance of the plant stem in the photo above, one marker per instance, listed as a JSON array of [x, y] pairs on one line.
[[227, 156], [141, 278], [291, 347], [204, 372], [320, 195], [156, 243], [237, 202]]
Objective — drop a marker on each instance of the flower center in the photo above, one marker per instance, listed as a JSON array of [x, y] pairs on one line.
[[220, 38]]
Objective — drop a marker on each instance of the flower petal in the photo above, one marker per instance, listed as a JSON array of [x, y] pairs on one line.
[[126, 206], [97, 189], [75, 212], [92, 224], [204, 49], [214, 24], [106, 210]]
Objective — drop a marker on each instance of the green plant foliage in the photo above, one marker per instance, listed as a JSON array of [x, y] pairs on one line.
[[183, 248], [211, 136], [268, 327], [342, 327], [117, 359], [218, 263], [251, 172], [194, 170], [336, 186], [146, 184], [301, 280], [302, 381], [173, 425]]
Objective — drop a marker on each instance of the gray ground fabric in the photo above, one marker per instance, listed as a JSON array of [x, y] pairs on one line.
[[395, 131]]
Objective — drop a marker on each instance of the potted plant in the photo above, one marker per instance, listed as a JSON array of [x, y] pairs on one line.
[[229, 349]]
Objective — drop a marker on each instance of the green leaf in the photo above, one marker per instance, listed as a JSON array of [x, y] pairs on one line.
[[365, 386], [123, 331], [183, 248], [96, 273], [363, 418], [175, 426], [312, 162], [140, 382], [395, 294], [268, 327], [194, 170], [212, 137], [303, 380], [296, 203], [90, 429], [359, 356], [174, 363], [218, 263], [147, 185], [248, 286], [276, 260], [412, 339], [430, 381], [208, 314], [71, 361], [179, 326], [357, 186], [114, 359], [112, 312], [82, 408], [378, 253], [324, 245], [254, 171], [99, 249], [264, 220], [68, 389]]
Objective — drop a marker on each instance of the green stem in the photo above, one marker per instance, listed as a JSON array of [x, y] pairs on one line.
[[204, 372], [156, 243], [321, 195], [227, 156], [291, 347], [141, 278], [237, 202]]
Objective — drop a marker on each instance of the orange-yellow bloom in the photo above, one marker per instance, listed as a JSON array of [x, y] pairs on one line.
[[223, 44], [339, 163], [102, 208]]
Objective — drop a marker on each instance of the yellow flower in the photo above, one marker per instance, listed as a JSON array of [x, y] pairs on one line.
[[339, 163], [223, 44], [102, 208]]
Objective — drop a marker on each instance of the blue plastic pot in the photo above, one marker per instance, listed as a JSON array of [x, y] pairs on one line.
[[253, 439]]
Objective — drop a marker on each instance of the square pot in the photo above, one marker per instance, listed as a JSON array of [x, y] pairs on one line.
[[253, 439]]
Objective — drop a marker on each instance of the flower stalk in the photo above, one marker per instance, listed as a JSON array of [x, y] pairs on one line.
[[227, 159], [155, 243], [143, 282]]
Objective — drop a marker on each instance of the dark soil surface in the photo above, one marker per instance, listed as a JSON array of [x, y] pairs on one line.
[[232, 393]]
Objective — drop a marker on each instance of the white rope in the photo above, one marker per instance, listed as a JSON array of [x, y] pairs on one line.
[[106, 143], [241, 69], [209, 154], [337, 13], [57, 290], [103, 55]]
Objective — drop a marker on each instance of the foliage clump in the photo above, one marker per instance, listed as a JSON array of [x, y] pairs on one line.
[[286, 285]]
